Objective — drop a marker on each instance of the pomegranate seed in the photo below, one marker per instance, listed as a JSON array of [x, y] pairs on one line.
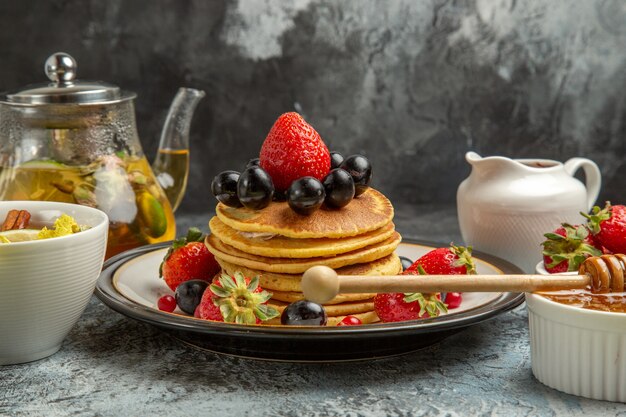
[[167, 303], [350, 321]]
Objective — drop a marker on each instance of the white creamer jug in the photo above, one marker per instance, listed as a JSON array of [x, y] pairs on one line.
[[506, 205]]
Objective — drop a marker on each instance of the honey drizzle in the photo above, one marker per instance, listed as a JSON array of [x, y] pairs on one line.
[[609, 302]]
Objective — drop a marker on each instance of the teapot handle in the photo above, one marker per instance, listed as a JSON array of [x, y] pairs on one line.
[[593, 178]]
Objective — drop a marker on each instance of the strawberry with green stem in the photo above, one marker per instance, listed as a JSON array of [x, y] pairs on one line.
[[188, 258], [608, 226], [453, 260], [236, 299], [567, 247]]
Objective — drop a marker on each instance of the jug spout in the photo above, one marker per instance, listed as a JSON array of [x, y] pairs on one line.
[[485, 166], [171, 165]]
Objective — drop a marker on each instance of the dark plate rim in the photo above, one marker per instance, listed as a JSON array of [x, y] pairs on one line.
[[107, 293]]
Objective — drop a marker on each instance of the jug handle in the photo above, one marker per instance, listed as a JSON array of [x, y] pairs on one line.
[[593, 178]]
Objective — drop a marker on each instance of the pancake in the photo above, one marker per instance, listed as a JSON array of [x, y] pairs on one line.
[[298, 266], [370, 211], [334, 310], [286, 247], [271, 281], [290, 297], [366, 318]]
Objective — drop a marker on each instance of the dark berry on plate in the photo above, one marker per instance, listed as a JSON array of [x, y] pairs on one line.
[[253, 162], [255, 188], [305, 195], [335, 160], [339, 188], [224, 188], [360, 169], [406, 262], [189, 293], [350, 321], [167, 303], [304, 313]]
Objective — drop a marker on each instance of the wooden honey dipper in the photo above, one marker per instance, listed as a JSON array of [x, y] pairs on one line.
[[604, 273]]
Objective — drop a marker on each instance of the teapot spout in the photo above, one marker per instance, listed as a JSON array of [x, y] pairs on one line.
[[171, 165]]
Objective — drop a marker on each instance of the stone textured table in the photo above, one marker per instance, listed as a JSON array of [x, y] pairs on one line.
[[114, 366]]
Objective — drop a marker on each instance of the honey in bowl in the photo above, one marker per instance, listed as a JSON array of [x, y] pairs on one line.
[[609, 302]]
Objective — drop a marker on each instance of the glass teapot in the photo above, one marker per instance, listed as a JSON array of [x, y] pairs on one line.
[[76, 142]]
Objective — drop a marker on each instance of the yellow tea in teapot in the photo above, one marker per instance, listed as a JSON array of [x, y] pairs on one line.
[[120, 185], [171, 167]]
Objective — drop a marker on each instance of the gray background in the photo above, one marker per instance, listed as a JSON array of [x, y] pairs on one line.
[[411, 84]]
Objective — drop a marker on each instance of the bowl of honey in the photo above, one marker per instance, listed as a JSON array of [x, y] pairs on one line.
[[578, 342]]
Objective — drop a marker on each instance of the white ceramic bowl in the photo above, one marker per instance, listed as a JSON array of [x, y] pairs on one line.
[[46, 284], [578, 351]]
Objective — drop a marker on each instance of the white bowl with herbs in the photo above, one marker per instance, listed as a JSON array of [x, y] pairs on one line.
[[51, 255]]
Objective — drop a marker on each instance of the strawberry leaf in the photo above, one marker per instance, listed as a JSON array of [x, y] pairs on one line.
[[227, 282], [465, 258], [597, 216], [265, 312], [554, 236], [219, 291], [194, 235], [240, 280], [254, 283], [262, 297], [228, 312]]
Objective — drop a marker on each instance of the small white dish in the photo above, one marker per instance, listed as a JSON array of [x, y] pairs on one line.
[[46, 284], [578, 351], [575, 350]]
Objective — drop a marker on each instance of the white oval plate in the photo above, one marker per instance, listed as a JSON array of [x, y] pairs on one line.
[[130, 285], [138, 279]]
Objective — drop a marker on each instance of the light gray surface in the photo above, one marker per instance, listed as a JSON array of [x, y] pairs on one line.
[[114, 366]]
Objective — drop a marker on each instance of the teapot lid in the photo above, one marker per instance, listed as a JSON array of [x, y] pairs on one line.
[[64, 89]]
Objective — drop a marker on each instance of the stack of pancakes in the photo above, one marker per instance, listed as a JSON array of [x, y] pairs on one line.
[[278, 245]]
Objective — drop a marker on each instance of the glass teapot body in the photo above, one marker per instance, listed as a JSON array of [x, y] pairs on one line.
[[89, 155]]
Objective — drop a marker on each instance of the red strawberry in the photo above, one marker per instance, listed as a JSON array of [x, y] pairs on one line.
[[236, 300], [608, 226], [188, 258], [396, 306], [568, 247], [292, 150], [399, 307], [454, 260], [453, 300], [208, 309]]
